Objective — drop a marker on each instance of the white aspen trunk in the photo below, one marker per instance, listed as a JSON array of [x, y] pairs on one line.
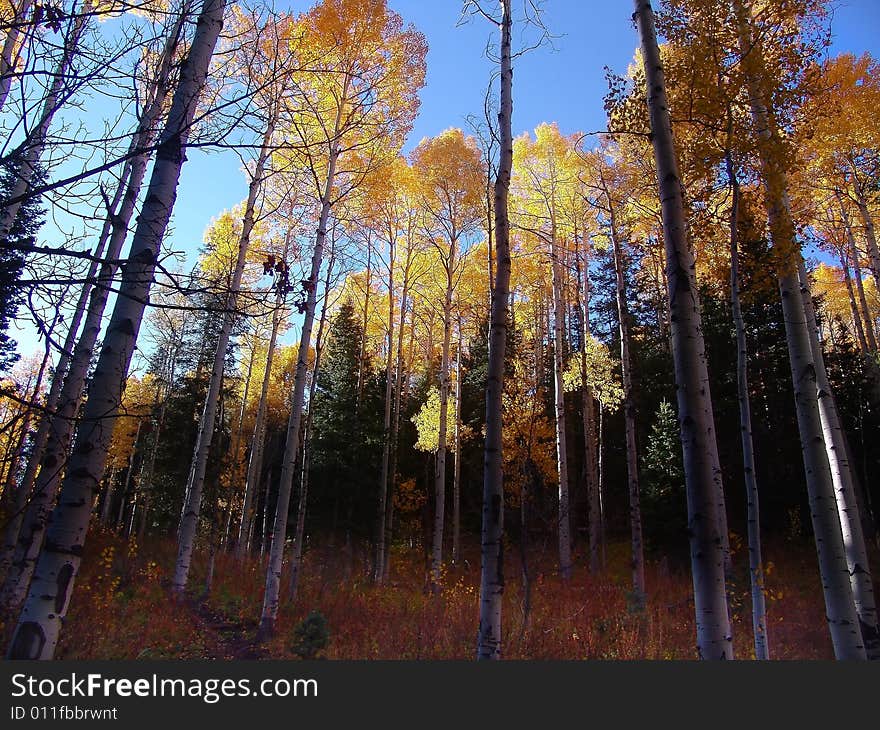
[[73, 368], [853, 305], [127, 482], [753, 517], [193, 501], [839, 605], [563, 516], [695, 416], [868, 332], [440, 459], [456, 473], [844, 487], [258, 439], [870, 233], [381, 546], [398, 392], [588, 410], [36, 633], [11, 49], [492, 536], [629, 412], [279, 533], [600, 476], [36, 140], [302, 504]]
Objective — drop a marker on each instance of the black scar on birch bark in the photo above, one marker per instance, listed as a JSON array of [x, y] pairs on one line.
[[29, 641]]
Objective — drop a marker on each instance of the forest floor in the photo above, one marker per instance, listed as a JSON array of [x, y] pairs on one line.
[[122, 608]]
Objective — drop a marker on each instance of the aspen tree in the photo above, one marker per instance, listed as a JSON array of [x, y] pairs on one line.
[[36, 633], [691, 377], [840, 608]]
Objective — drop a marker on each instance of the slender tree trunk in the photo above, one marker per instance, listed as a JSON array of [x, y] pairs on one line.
[[73, 370], [440, 458], [600, 467], [299, 534], [853, 305], [279, 532], [491, 561], [32, 148], [588, 409], [127, 483], [381, 546], [258, 439], [11, 49], [563, 516], [696, 420], [456, 474], [870, 234], [190, 522], [868, 333], [839, 606], [629, 412], [36, 633], [844, 487], [753, 521]]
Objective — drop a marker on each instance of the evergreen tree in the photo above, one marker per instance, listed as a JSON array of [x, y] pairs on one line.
[[30, 218]]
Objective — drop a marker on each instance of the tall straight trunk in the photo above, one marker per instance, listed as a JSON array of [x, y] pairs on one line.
[[11, 49], [753, 518], [258, 439], [844, 487], [32, 148], [381, 546], [868, 332], [588, 412], [395, 429], [36, 633], [839, 605], [302, 504], [440, 458], [870, 232], [843, 257], [456, 473], [288, 464], [15, 493], [629, 413], [127, 482], [600, 483], [491, 554], [75, 362], [563, 517], [193, 501], [695, 415]]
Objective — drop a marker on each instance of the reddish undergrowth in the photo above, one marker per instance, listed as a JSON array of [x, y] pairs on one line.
[[122, 608]]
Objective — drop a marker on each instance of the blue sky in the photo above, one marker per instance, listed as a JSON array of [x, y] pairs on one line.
[[564, 83]]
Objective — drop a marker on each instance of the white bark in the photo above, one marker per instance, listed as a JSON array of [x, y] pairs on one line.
[[73, 370], [491, 561], [302, 503], [753, 520], [11, 49], [36, 140], [696, 420], [844, 487], [36, 633], [839, 606], [629, 412], [563, 516], [279, 533], [193, 502], [440, 458]]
